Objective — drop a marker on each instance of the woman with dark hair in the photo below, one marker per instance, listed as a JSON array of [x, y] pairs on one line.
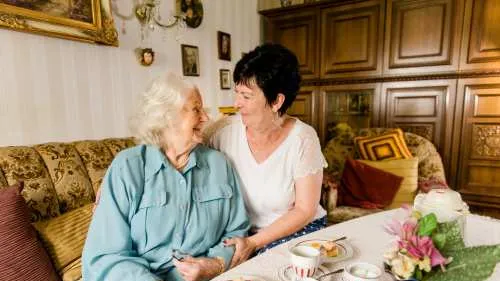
[[277, 157]]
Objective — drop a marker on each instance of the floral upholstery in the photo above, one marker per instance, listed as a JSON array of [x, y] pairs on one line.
[[67, 172], [58, 177], [3, 181], [96, 158], [430, 167]]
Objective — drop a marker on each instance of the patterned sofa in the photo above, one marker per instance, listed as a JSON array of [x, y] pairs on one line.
[[430, 167], [58, 178]]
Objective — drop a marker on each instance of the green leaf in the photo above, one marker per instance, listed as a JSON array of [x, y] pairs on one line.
[[439, 239], [469, 264], [427, 224], [418, 274], [453, 237]]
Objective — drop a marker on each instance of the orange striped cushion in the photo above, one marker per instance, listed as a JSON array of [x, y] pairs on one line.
[[389, 146], [64, 238]]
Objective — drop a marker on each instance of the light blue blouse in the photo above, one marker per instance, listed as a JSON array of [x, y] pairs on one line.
[[148, 208]]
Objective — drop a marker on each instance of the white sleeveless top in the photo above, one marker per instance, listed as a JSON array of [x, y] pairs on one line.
[[268, 188]]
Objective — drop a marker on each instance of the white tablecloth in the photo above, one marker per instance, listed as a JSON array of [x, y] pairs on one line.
[[369, 240]]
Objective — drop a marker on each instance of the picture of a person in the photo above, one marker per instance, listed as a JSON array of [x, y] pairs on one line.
[[147, 57], [190, 60], [224, 45]]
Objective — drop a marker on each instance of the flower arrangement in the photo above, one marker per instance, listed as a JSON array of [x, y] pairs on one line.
[[426, 250]]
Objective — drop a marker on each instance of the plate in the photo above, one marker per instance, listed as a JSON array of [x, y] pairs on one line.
[[345, 249], [338, 277], [286, 273], [244, 278]]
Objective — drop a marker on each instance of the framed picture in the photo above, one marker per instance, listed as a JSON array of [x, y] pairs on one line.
[[193, 9], [224, 45], [353, 103], [190, 60], [83, 20], [225, 79], [228, 110]]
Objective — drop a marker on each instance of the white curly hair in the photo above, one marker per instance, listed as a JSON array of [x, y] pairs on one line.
[[158, 108]]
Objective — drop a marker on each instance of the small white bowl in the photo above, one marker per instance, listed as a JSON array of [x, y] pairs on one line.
[[361, 271]]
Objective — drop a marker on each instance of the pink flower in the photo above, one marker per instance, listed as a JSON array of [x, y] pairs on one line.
[[421, 247]]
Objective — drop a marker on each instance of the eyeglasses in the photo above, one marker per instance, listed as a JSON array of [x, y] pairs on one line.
[[179, 255]]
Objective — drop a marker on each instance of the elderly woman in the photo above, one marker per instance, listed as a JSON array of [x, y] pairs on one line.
[[169, 194], [285, 153]]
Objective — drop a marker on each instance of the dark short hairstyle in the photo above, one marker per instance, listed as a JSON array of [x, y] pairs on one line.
[[148, 50], [274, 68]]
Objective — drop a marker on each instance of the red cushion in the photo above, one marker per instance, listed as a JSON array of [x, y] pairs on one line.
[[22, 256], [366, 187]]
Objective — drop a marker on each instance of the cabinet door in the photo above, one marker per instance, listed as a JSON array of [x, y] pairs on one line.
[[422, 36], [305, 106], [351, 39], [299, 33], [354, 104], [481, 36], [479, 147], [424, 108]]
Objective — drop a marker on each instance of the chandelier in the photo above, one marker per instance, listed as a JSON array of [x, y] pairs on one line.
[[147, 12]]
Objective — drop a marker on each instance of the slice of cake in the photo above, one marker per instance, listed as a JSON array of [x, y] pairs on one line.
[[329, 249]]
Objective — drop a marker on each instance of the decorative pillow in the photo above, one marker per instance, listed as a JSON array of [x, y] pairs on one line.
[[405, 168], [22, 256], [364, 186], [390, 146], [64, 238]]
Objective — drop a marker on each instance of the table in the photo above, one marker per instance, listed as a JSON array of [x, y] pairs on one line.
[[369, 240]]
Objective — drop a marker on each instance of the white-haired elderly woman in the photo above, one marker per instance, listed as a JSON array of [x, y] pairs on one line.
[[168, 194]]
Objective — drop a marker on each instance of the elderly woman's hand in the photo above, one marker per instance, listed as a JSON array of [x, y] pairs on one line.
[[197, 269], [244, 248]]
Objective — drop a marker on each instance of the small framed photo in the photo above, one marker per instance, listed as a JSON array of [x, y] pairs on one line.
[[224, 45], [225, 79], [190, 60], [353, 103]]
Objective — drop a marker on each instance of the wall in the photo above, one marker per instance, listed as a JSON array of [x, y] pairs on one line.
[[61, 90], [271, 4]]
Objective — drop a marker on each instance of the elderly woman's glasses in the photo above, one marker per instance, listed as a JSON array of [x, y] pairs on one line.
[[179, 255]]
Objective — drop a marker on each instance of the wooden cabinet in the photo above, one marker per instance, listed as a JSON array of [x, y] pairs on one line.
[[298, 32], [431, 67], [481, 36], [351, 39], [354, 104], [479, 147], [422, 36], [305, 106], [421, 107]]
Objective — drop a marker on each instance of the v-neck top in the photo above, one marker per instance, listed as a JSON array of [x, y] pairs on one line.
[[268, 187]]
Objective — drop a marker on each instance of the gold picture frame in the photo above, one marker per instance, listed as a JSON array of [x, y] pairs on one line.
[[83, 20]]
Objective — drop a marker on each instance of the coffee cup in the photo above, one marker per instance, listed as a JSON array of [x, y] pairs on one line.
[[361, 271], [305, 260]]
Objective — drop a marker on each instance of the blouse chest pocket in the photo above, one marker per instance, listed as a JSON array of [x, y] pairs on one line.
[[212, 193], [153, 198]]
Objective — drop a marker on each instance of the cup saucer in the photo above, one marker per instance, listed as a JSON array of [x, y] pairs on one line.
[[338, 277], [286, 273]]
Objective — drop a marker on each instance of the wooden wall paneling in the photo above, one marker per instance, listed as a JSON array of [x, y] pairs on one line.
[[478, 154], [481, 36], [299, 32], [352, 39], [422, 107], [355, 104], [305, 106], [422, 36]]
